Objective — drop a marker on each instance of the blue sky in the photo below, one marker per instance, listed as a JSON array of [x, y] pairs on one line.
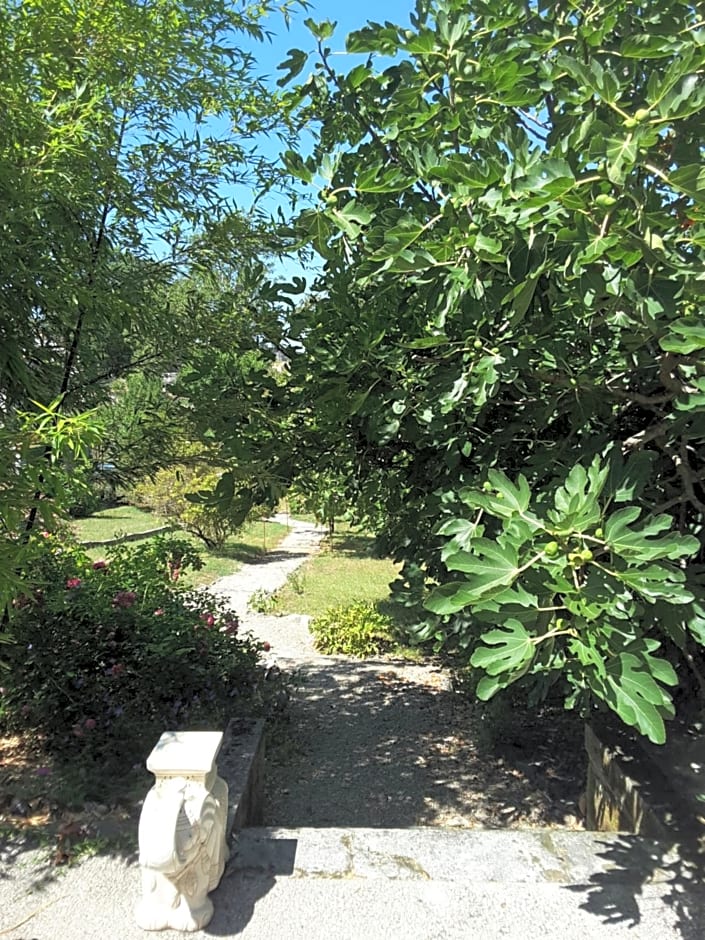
[[349, 16]]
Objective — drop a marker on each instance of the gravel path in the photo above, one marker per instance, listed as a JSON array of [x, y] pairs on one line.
[[390, 744]]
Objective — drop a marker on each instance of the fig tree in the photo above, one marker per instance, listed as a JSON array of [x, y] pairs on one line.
[[605, 201]]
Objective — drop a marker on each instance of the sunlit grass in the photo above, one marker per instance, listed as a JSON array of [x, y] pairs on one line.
[[251, 542], [119, 520], [345, 571]]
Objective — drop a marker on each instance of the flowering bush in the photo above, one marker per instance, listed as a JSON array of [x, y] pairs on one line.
[[109, 654]]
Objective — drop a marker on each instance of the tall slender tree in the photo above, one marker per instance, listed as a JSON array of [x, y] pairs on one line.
[[123, 127]]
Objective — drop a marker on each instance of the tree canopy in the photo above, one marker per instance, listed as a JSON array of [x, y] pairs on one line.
[[123, 128], [508, 329], [502, 362]]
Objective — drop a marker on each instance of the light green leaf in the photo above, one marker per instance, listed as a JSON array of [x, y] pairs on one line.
[[642, 544], [647, 46], [515, 497], [685, 337], [657, 582], [377, 179], [463, 532], [691, 180], [322, 30], [632, 691], [449, 598], [507, 650], [427, 342], [489, 686], [621, 155], [399, 237], [295, 164], [490, 566], [487, 247]]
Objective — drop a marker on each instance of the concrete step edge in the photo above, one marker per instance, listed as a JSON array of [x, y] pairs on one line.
[[513, 856]]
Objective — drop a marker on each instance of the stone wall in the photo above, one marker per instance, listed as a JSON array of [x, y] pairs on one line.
[[657, 791], [614, 799], [132, 537]]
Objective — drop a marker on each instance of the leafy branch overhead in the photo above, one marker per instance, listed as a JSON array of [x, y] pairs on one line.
[[577, 573], [510, 216]]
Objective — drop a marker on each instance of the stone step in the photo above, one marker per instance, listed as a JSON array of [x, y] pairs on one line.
[[365, 884], [481, 856], [436, 884]]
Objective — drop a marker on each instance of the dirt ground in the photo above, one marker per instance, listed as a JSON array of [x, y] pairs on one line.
[[388, 744]]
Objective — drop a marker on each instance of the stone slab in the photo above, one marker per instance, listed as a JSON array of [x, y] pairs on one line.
[[286, 897], [184, 753], [498, 856]]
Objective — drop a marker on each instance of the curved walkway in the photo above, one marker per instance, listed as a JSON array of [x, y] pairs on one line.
[[389, 743]]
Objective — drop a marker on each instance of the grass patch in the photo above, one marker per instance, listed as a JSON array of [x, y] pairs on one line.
[[119, 520], [345, 571], [252, 541]]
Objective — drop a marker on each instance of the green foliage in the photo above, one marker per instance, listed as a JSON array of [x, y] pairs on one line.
[[512, 230], [356, 630], [122, 127], [567, 588], [263, 602], [114, 143], [322, 494], [143, 431], [170, 495], [108, 654], [38, 452]]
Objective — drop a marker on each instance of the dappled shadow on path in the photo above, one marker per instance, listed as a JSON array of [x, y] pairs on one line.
[[679, 869], [378, 744], [276, 556]]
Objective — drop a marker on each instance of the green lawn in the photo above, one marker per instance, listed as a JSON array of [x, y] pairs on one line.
[[252, 541], [343, 572], [120, 520]]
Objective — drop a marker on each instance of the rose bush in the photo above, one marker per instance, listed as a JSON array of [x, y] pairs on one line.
[[108, 654]]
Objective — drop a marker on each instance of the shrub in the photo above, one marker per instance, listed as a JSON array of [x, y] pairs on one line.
[[356, 630], [263, 602], [109, 654], [170, 494]]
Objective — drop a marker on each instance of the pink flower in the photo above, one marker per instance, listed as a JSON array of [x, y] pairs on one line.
[[124, 599], [266, 646], [45, 534], [159, 612], [73, 583], [78, 731], [99, 565], [89, 724], [208, 619], [117, 669]]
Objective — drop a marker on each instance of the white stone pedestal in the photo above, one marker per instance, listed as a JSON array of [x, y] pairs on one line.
[[182, 834]]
